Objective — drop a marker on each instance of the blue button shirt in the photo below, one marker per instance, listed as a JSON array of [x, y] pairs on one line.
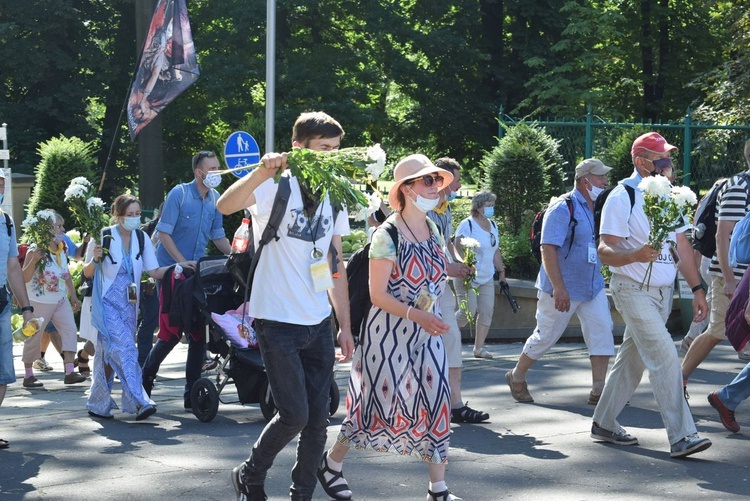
[[190, 220], [8, 248], [582, 279]]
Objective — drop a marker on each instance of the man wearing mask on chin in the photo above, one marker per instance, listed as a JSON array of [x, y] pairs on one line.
[[570, 281], [189, 219], [646, 343]]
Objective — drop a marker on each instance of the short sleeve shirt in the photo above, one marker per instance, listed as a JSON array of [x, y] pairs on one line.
[[732, 204], [633, 227], [8, 247], [583, 280], [489, 242]]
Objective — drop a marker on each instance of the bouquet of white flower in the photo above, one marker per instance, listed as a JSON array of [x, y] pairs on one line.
[[38, 231], [667, 208], [88, 210], [470, 259]]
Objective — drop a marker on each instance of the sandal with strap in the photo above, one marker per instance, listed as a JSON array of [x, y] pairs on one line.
[[333, 491], [442, 496], [82, 364], [466, 414]]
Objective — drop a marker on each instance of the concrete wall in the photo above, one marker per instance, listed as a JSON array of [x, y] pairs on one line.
[[508, 326]]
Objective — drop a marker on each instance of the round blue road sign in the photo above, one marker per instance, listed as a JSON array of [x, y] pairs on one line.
[[240, 150]]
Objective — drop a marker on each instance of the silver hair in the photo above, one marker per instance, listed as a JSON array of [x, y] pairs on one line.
[[480, 199]]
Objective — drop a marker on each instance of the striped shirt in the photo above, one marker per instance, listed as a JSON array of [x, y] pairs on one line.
[[444, 221], [732, 204]]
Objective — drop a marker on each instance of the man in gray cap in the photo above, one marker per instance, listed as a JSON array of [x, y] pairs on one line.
[[570, 281]]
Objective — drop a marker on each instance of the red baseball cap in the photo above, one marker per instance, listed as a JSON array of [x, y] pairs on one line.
[[652, 142]]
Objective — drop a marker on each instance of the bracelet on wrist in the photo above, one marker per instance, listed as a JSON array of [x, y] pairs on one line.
[[27, 308], [697, 288]]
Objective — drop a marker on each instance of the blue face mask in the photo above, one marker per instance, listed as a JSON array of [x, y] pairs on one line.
[[450, 196], [131, 223], [489, 212]]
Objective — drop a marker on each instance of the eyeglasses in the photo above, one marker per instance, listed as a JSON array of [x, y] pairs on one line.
[[429, 180]]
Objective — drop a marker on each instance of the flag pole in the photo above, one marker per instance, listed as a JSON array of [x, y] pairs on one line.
[[117, 129], [270, 72]]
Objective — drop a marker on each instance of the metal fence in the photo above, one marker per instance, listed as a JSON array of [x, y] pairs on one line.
[[706, 151]]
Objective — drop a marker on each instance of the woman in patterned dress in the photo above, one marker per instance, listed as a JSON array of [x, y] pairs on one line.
[[399, 397], [115, 309]]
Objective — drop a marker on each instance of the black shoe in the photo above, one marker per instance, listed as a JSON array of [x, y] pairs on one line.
[[145, 412], [244, 491], [466, 414], [333, 491], [148, 384], [187, 404], [101, 416]]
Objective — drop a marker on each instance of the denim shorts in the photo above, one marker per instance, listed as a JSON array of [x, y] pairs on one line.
[[7, 373]]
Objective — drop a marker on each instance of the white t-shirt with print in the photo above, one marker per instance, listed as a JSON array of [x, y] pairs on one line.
[[486, 252], [283, 288], [634, 228]]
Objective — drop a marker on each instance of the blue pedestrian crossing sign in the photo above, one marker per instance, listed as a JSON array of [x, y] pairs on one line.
[[240, 150]]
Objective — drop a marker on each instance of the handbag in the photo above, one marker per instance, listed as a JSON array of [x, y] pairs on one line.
[[738, 330]]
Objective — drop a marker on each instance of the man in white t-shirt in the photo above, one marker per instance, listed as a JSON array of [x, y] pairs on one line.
[[646, 344], [292, 310]]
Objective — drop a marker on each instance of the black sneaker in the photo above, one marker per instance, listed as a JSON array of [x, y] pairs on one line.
[[246, 492], [613, 437], [187, 403], [148, 384]]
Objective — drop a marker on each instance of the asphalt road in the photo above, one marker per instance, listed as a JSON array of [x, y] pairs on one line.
[[526, 451]]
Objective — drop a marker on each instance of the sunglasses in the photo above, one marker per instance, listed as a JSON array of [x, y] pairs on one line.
[[429, 180], [661, 163], [201, 155]]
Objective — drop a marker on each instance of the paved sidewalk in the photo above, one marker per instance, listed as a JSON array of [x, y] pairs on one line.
[[527, 451]]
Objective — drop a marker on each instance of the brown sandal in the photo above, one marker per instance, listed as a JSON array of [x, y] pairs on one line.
[[82, 363]]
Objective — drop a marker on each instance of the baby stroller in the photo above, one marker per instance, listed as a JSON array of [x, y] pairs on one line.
[[214, 291]]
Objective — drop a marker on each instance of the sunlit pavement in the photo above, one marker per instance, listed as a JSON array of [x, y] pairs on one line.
[[526, 451]]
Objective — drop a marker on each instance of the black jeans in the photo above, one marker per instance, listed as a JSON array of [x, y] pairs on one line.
[[193, 365]]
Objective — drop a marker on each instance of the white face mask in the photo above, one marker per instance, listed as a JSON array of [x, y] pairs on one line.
[[424, 204], [212, 180], [594, 191]]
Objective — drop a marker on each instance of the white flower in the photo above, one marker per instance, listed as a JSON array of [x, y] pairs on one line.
[[684, 196], [75, 191], [373, 204], [361, 214], [46, 214], [94, 202], [469, 243], [80, 181], [377, 156], [655, 186], [29, 221]]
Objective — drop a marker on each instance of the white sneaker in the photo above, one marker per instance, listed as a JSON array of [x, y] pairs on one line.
[[744, 354], [41, 365]]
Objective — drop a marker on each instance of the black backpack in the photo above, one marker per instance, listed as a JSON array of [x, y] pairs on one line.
[[358, 279], [535, 235], [704, 220], [599, 206]]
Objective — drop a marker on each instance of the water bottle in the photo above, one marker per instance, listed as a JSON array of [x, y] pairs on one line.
[[32, 327], [241, 237]]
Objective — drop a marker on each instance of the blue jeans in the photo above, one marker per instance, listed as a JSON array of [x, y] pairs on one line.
[[7, 373], [299, 363], [738, 390], [149, 307]]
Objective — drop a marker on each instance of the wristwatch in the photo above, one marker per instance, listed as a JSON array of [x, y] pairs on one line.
[[27, 308], [697, 288]]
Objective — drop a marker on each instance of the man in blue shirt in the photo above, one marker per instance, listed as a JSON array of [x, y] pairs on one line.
[[189, 219], [570, 281], [10, 274]]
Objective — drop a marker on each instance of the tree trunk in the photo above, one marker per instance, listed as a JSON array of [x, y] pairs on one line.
[[647, 61]]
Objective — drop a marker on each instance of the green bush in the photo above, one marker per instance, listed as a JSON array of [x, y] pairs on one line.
[[618, 156], [516, 250], [62, 159]]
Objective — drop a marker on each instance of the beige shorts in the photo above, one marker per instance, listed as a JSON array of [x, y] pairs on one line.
[[452, 338], [481, 307], [719, 303]]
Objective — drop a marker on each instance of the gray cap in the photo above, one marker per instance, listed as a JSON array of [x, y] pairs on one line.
[[591, 166]]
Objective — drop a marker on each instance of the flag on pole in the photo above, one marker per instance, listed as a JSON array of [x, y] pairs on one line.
[[167, 67]]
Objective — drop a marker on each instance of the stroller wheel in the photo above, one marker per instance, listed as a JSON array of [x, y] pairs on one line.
[[205, 400], [335, 398], [267, 405]]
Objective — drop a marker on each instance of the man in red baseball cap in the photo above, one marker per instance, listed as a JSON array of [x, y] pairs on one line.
[[647, 344]]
